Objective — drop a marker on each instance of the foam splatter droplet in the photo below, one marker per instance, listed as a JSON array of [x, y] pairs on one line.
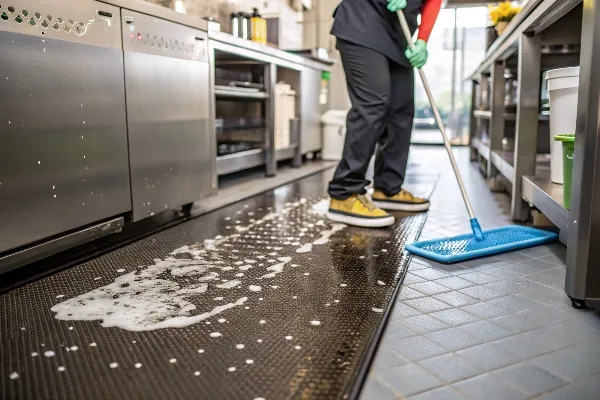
[[114, 365], [14, 375], [239, 346], [377, 310], [49, 354], [173, 360], [215, 334], [138, 365], [231, 369], [315, 323]]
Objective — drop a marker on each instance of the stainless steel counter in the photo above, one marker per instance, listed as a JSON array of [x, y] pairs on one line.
[[155, 10]]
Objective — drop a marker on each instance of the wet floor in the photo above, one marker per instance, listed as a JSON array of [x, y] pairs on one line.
[[262, 299]]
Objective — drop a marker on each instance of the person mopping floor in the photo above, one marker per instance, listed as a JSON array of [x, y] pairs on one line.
[[379, 72]]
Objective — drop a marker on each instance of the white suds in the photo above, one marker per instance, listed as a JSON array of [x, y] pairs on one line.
[[306, 248], [74, 348], [262, 322], [197, 373], [381, 283], [49, 354], [222, 320], [173, 360], [259, 341], [218, 299], [277, 268], [34, 354], [215, 334], [288, 337], [61, 369], [297, 347], [321, 207], [138, 365], [249, 362], [229, 284], [343, 285], [325, 235], [114, 365], [255, 288], [60, 296], [315, 323], [377, 310], [201, 351], [231, 369], [93, 344], [239, 346], [361, 257], [14, 375], [120, 270]]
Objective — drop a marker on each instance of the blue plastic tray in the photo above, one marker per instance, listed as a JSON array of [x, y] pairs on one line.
[[466, 247]]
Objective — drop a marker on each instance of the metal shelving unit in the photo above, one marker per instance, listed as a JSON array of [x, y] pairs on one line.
[[547, 34]]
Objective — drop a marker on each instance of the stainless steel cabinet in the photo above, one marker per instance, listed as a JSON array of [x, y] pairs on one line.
[[63, 138], [310, 115], [167, 80]]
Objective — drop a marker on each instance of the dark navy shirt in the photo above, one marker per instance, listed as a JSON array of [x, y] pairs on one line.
[[370, 24]]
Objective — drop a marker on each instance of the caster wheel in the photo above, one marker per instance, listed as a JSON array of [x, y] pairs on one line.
[[186, 209], [578, 304]]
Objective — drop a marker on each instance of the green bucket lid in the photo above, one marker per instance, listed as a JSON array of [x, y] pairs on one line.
[[567, 137], [326, 75]]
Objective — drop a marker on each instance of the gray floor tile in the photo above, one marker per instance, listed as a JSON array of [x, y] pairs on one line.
[[479, 278], [431, 274], [423, 324], [395, 330], [454, 282], [485, 330], [529, 379], [456, 299], [411, 278], [450, 367], [480, 293], [387, 358], [514, 303], [488, 356], [572, 364], [454, 317], [509, 271], [515, 323], [487, 262], [430, 288], [427, 304], [453, 339], [527, 345], [409, 379], [401, 310], [545, 315], [538, 264], [544, 295], [508, 287], [488, 388], [485, 310], [443, 393], [376, 390], [417, 348], [554, 278], [542, 251], [406, 293], [557, 259], [586, 389], [514, 256]]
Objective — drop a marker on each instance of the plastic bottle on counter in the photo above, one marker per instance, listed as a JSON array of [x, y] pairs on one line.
[[258, 27], [245, 23], [235, 25]]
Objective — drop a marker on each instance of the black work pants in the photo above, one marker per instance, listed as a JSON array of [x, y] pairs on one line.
[[382, 96]]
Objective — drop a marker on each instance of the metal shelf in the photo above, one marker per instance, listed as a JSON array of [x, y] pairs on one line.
[[482, 114], [482, 148], [504, 162], [485, 114], [547, 197], [287, 153], [240, 161], [239, 94]]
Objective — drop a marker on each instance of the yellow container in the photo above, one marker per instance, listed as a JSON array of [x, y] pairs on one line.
[[259, 28]]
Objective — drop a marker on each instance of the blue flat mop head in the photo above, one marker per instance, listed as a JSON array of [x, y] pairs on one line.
[[468, 246]]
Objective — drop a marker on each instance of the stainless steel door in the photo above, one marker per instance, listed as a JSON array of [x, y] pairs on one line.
[[167, 86], [63, 137], [310, 116]]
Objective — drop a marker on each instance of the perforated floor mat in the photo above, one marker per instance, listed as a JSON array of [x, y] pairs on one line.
[[262, 299]]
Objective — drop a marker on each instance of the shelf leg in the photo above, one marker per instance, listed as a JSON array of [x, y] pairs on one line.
[[583, 251], [270, 158], [497, 119], [528, 109], [472, 120]]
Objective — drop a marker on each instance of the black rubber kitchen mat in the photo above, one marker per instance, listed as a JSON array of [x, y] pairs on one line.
[[262, 299]]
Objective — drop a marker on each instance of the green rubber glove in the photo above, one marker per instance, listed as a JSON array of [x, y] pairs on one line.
[[418, 56], [396, 5]]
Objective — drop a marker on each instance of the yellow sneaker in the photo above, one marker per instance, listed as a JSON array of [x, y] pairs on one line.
[[401, 201], [358, 210]]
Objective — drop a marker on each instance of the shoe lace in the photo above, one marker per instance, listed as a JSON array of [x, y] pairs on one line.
[[365, 201], [409, 194]]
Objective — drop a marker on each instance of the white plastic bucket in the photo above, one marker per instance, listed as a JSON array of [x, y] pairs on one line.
[[563, 88], [334, 134]]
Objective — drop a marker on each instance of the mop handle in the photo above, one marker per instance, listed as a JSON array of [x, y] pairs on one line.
[[438, 119]]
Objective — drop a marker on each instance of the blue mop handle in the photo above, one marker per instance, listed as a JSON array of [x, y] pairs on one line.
[[438, 119]]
